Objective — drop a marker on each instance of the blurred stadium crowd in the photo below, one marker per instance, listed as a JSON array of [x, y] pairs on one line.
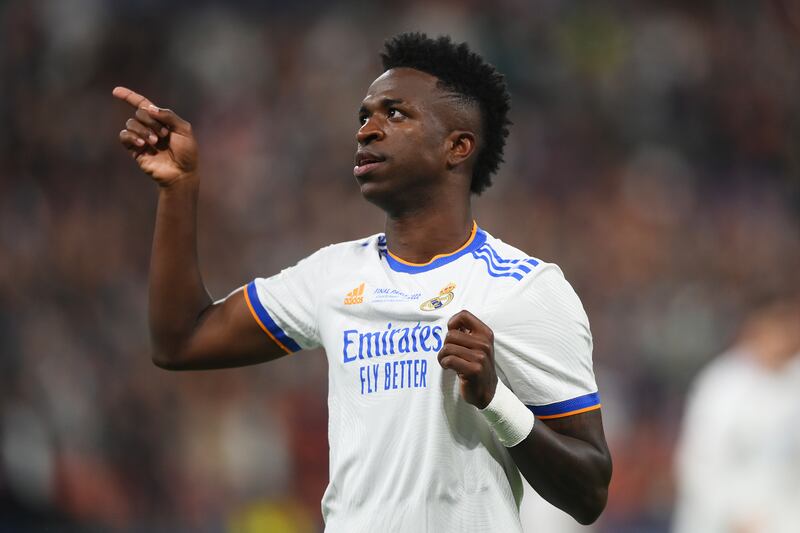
[[655, 156]]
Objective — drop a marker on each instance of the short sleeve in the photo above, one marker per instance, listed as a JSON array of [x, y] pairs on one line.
[[543, 347], [285, 305]]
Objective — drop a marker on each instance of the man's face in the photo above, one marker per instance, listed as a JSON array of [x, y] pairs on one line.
[[401, 142]]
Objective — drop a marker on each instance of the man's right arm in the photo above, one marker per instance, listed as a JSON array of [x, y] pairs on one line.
[[188, 329]]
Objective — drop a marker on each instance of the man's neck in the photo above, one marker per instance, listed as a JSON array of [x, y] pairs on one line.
[[418, 236]]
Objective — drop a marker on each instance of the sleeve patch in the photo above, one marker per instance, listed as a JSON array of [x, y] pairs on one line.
[[266, 322], [574, 406]]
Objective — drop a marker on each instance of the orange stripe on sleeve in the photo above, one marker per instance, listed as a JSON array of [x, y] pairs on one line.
[[258, 321], [570, 413]]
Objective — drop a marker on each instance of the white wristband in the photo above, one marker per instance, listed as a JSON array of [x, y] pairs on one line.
[[510, 419]]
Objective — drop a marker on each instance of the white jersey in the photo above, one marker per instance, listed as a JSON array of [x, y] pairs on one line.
[[738, 458], [407, 453]]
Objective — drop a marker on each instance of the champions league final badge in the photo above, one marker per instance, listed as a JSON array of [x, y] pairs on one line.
[[445, 297]]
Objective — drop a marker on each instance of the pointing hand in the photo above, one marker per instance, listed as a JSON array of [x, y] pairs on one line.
[[160, 141]]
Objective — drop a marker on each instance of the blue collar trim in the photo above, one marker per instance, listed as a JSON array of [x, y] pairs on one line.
[[399, 266]]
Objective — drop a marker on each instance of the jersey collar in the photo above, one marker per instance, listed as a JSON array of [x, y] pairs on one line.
[[475, 241]]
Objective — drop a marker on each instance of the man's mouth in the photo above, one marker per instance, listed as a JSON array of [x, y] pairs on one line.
[[366, 162]]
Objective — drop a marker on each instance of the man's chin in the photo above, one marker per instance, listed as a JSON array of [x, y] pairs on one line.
[[371, 190], [377, 193]]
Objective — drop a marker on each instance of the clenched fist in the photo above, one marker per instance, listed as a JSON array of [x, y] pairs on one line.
[[160, 141], [469, 351]]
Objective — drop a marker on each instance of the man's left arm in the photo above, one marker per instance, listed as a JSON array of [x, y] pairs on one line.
[[566, 460]]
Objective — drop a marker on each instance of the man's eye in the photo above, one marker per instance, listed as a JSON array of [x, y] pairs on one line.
[[394, 113], [362, 119]]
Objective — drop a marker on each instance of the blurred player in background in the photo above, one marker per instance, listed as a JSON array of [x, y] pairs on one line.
[[444, 344], [738, 460]]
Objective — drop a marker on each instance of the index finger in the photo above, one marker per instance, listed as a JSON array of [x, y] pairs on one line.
[[466, 320], [133, 98]]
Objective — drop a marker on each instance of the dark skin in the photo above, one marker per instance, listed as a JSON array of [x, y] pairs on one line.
[[416, 148], [565, 459], [411, 123]]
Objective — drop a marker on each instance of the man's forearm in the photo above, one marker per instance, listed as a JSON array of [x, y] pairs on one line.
[[570, 473], [177, 293]]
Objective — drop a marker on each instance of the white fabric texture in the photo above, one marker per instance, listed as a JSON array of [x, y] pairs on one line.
[[738, 457], [407, 453]]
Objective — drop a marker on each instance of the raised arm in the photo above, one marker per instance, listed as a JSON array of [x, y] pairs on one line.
[[566, 460], [188, 329]]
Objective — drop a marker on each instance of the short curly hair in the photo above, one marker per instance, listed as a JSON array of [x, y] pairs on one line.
[[470, 77]]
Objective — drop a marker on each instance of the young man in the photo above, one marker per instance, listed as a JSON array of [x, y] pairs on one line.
[[740, 477], [442, 341]]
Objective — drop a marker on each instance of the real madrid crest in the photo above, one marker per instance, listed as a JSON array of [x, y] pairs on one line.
[[445, 297]]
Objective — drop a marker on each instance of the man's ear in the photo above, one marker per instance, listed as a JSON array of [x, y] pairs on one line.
[[461, 145]]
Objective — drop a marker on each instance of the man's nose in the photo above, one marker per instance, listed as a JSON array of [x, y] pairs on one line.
[[369, 132]]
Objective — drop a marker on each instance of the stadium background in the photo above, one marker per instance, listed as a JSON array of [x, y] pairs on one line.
[[654, 156]]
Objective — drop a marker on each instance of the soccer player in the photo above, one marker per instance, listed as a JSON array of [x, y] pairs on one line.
[[744, 477], [455, 360]]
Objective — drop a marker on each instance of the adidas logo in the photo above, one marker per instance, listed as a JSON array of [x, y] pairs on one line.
[[356, 296]]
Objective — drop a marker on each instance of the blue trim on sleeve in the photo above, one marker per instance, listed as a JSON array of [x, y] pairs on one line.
[[567, 406], [274, 329]]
